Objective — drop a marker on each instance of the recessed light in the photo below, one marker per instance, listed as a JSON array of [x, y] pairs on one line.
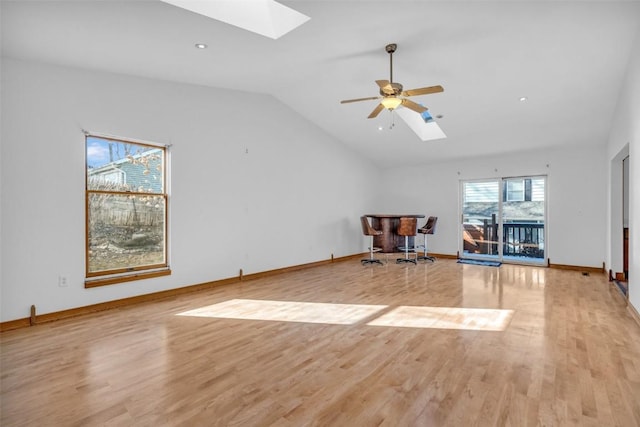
[[523, 99], [201, 45], [380, 128]]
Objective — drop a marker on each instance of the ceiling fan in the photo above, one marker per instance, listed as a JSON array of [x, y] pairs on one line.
[[392, 95]]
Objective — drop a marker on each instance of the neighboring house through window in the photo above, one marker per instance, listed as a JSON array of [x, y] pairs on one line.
[[515, 190], [524, 189], [126, 210]]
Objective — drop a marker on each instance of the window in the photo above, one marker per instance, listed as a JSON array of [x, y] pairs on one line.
[[126, 211], [515, 190]]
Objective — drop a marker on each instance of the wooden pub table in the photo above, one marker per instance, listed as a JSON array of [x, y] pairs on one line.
[[389, 240]]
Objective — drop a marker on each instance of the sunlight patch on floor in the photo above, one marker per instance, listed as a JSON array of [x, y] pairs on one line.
[[474, 319], [287, 311]]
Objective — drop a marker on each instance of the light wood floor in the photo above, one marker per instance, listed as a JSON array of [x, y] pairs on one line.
[[341, 345]]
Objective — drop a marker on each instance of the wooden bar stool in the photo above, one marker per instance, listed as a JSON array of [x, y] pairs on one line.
[[428, 228], [368, 230], [407, 228]]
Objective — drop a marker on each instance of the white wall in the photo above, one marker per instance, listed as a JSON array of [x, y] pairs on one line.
[[625, 135], [254, 186], [576, 189]]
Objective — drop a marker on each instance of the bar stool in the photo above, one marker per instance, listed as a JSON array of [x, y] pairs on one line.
[[407, 228], [428, 228], [368, 230]]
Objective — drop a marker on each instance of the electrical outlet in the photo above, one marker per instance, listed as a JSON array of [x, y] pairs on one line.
[[62, 281]]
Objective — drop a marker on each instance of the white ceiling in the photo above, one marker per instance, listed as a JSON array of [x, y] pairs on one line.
[[567, 57]]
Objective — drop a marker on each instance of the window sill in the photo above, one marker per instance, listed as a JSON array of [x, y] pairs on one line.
[[93, 283]]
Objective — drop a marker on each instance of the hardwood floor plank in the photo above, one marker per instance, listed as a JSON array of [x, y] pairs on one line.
[[340, 344]]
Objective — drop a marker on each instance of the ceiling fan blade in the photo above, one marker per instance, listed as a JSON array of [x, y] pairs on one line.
[[389, 88], [376, 111], [423, 91], [413, 106], [346, 101]]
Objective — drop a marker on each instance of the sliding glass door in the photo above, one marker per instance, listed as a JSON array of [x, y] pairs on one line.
[[480, 218], [504, 219]]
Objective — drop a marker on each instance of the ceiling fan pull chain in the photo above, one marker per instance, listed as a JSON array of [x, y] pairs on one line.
[[392, 121]]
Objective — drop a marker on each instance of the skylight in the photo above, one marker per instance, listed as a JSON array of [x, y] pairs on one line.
[[422, 124], [265, 17]]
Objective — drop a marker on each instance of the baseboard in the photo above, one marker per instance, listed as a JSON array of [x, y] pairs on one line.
[[443, 256], [577, 268], [550, 265], [15, 324], [259, 275], [79, 311], [108, 305]]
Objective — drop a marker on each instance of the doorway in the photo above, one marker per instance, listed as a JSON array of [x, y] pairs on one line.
[[625, 217], [504, 219], [620, 191]]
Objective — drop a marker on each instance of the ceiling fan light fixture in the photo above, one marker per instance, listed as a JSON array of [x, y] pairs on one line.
[[393, 95], [391, 103]]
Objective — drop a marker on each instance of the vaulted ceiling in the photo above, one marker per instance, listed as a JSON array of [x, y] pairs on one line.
[[568, 58]]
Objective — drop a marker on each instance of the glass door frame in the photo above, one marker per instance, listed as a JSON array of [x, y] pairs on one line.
[[462, 230], [499, 256]]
